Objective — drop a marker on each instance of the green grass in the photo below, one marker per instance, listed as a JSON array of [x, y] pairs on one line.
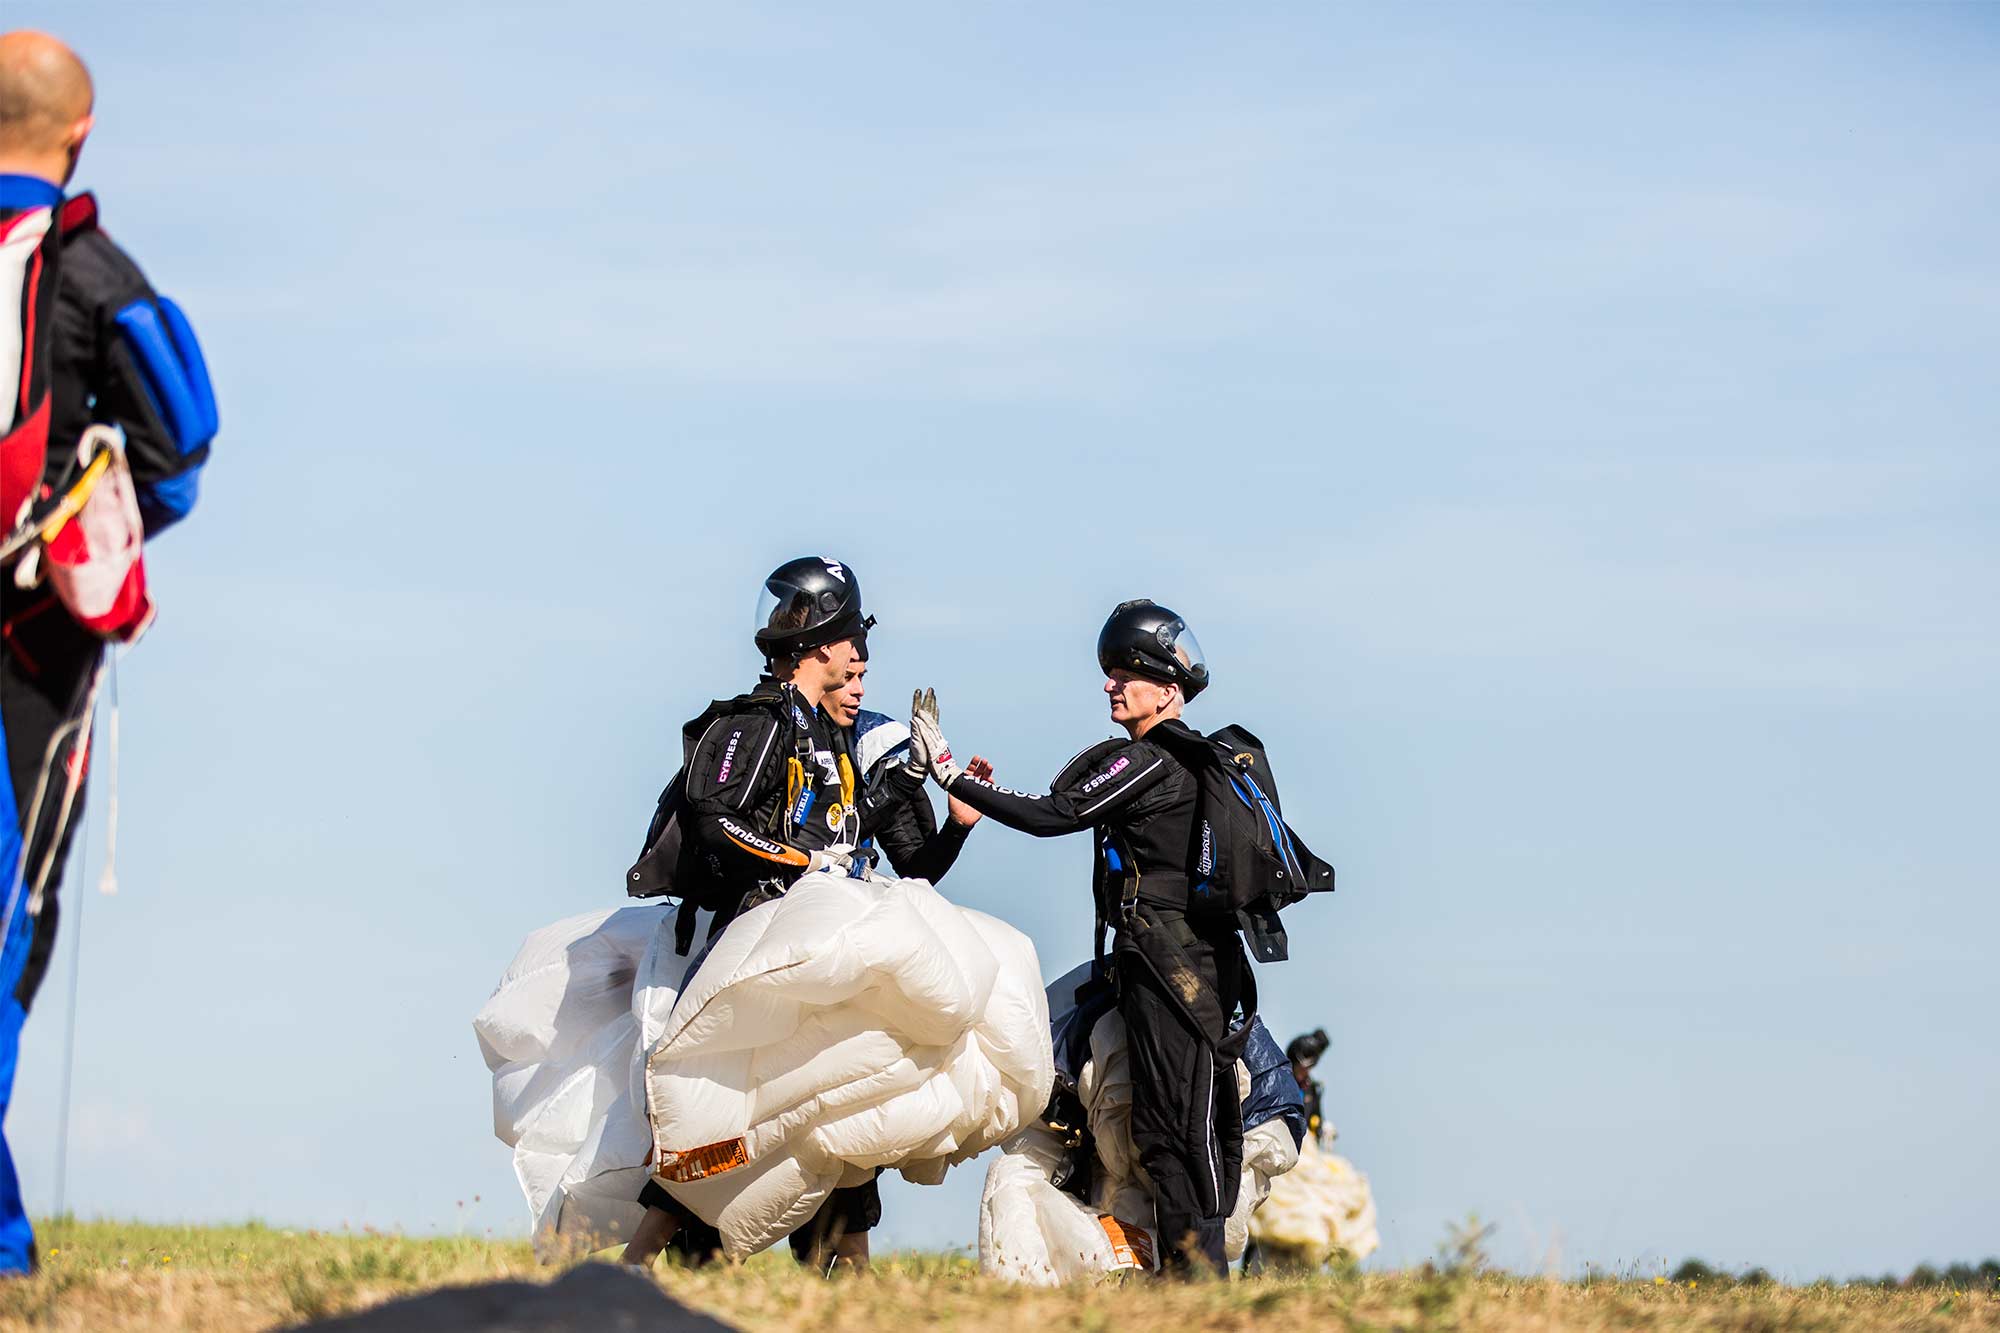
[[116, 1276]]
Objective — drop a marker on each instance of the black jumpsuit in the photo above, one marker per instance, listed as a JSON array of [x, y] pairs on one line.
[[1179, 982], [772, 782], [1311, 1092], [768, 783]]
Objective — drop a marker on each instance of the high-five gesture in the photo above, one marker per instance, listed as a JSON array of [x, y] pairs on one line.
[[928, 747]]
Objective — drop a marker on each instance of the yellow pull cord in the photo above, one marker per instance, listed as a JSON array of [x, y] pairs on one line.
[[76, 496]]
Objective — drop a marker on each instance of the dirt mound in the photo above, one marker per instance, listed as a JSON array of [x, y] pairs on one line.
[[594, 1298]]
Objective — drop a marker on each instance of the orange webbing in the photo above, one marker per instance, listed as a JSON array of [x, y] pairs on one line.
[[711, 1159], [1130, 1245]]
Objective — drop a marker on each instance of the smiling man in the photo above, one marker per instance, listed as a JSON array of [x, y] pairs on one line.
[[908, 834]]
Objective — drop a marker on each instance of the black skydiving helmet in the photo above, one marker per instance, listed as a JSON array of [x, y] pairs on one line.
[[808, 603], [1148, 640], [1307, 1048]]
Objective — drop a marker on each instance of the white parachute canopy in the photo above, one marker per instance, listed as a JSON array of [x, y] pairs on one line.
[[1321, 1208], [848, 1026], [1034, 1232], [562, 1035]]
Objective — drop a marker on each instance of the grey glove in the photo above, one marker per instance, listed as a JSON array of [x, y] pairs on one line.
[[838, 859], [927, 743]]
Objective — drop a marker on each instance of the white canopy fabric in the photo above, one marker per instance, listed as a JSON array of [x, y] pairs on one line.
[[1322, 1207], [1033, 1232], [847, 1026]]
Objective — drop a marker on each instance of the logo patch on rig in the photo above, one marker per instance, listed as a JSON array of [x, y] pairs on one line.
[[1124, 762], [751, 840]]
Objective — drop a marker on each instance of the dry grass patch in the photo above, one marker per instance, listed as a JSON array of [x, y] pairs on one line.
[[115, 1277]]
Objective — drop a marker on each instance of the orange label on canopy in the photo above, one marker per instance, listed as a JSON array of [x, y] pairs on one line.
[[711, 1159], [1130, 1245]]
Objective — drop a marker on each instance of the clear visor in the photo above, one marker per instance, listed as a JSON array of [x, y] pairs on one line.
[[785, 608], [1187, 650]]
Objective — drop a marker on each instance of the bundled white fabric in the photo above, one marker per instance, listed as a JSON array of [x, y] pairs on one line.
[[1030, 1231], [1268, 1154], [563, 1034], [1322, 1206], [850, 1025], [1033, 1232]]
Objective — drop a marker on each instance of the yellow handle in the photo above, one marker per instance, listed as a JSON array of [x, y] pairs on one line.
[[76, 496]]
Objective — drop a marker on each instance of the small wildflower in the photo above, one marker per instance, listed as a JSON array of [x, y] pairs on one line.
[[54, 1253], [1659, 1282]]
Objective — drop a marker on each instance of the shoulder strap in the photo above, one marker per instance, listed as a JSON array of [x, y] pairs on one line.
[[766, 697], [79, 214]]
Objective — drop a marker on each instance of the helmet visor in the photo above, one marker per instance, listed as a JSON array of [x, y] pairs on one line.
[[785, 608], [1184, 648]]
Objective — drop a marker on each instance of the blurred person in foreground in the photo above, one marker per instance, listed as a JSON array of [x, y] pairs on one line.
[[104, 427]]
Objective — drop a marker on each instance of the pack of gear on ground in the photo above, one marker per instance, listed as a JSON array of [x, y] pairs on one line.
[[795, 1006]]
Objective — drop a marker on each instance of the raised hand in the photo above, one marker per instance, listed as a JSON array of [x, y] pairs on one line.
[[927, 740]]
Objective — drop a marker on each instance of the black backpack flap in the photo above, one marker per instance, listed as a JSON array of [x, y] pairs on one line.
[[1278, 863], [1264, 933], [668, 865], [1243, 747], [1245, 855], [1309, 874], [654, 873]]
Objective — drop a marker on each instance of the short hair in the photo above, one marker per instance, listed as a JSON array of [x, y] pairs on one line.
[[43, 88]]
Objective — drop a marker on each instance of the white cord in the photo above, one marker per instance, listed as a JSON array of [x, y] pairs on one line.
[[107, 883]]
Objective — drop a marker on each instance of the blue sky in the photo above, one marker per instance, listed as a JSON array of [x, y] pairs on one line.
[[1569, 429]]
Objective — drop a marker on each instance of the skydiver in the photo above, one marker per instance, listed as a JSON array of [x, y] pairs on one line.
[[1304, 1051], [774, 791], [116, 354], [1179, 979]]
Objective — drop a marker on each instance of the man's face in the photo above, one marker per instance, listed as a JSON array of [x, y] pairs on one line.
[[837, 660], [1134, 698], [1302, 1073], [843, 704]]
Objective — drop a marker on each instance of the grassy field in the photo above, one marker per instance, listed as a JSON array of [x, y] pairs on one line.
[[116, 1276]]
